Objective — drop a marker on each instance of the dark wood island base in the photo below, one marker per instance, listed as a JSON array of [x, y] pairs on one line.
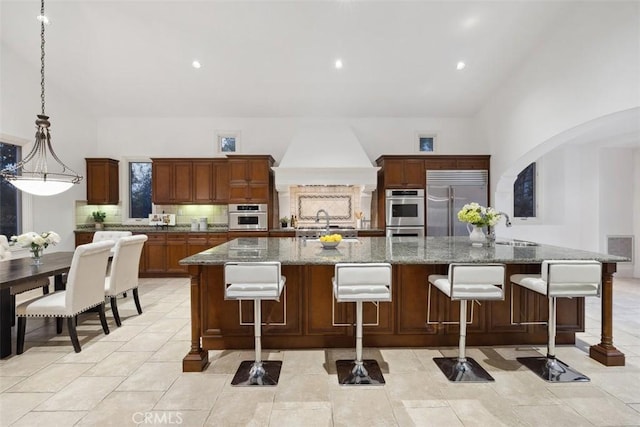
[[307, 316]]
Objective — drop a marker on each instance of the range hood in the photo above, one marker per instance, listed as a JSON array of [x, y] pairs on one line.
[[325, 155]]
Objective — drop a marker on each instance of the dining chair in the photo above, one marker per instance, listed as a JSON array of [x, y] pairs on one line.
[[84, 290], [100, 236], [124, 272]]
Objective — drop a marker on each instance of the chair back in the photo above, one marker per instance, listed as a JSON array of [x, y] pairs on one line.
[[100, 236], [85, 282], [125, 266], [572, 278], [249, 280], [5, 252], [477, 281], [363, 281]]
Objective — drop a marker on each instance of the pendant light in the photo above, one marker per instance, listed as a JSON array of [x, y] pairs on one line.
[[41, 172]]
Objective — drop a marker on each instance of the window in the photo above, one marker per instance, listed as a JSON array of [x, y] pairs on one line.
[[10, 200], [228, 142], [524, 193], [139, 189], [426, 143]]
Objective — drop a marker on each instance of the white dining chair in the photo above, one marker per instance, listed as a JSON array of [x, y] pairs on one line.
[[100, 236], [124, 272], [84, 290]]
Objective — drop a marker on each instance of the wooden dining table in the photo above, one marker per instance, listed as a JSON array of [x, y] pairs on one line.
[[22, 274]]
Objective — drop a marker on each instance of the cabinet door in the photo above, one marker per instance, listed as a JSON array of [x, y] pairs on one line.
[[176, 250], [258, 193], [393, 173], [162, 182], [203, 182], [102, 181], [183, 181], [155, 253], [238, 171], [83, 238], [258, 172], [414, 173], [221, 182]]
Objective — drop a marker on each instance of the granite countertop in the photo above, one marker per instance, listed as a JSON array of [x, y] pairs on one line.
[[396, 250], [213, 228]]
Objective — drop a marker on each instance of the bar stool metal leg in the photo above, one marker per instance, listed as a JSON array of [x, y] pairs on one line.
[[359, 371], [462, 368], [257, 372], [549, 368]]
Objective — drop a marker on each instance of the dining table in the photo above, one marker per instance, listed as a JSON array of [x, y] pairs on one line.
[[21, 274]]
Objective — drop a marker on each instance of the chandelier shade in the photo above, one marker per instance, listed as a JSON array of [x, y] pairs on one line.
[[41, 172]]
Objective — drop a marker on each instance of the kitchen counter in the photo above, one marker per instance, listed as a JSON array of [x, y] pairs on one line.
[[307, 316], [153, 229]]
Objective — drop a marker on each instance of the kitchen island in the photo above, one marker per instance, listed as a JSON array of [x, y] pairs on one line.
[[307, 316]]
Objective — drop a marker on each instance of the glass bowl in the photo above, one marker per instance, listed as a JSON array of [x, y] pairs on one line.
[[329, 245]]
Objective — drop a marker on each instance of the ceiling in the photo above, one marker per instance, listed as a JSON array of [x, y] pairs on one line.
[[275, 58]]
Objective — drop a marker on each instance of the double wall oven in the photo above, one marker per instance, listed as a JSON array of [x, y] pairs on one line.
[[404, 212], [248, 217]]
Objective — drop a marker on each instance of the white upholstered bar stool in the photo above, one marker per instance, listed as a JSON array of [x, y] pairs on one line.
[[559, 279], [464, 282], [255, 281], [359, 283]]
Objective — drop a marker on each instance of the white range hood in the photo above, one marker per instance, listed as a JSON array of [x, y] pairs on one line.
[[325, 155]]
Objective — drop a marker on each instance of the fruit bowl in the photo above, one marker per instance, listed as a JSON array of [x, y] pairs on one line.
[[329, 245]]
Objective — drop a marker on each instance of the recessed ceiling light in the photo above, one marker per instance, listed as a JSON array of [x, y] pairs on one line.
[[43, 18], [196, 64], [338, 63], [460, 65]]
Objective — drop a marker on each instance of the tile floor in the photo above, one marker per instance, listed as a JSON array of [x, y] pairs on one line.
[[133, 376]]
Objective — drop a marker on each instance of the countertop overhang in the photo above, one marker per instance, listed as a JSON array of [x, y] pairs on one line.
[[395, 250]]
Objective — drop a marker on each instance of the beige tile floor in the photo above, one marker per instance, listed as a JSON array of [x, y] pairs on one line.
[[133, 377]]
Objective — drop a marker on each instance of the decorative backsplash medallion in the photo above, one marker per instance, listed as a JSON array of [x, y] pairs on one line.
[[340, 201]]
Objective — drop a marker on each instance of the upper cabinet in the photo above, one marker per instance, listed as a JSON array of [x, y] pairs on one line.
[[402, 172], [102, 181], [190, 181], [250, 178], [172, 181]]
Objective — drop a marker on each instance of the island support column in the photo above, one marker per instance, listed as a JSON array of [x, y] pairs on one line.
[[197, 358], [605, 352]]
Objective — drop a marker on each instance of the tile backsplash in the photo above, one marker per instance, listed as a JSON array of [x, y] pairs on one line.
[[340, 201], [215, 214]]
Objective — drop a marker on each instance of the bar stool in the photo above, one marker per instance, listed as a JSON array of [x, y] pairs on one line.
[[566, 279], [255, 281], [358, 283], [480, 282]]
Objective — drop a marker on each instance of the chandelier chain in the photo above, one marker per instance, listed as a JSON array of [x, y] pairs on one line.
[[42, 55]]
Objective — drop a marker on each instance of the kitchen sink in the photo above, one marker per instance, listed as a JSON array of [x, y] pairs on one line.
[[515, 243]]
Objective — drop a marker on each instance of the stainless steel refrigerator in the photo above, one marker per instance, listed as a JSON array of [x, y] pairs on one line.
[[447, 192]]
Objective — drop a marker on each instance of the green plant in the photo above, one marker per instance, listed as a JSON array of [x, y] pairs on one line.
[[99, 216], [284, 220]]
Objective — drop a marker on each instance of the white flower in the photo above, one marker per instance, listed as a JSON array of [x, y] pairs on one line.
[[35, 240]]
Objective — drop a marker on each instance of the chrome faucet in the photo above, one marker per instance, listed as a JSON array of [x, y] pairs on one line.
[[507, 221], [326, 215], [492, 233]]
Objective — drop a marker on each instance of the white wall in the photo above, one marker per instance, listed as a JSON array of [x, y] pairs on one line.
[[586, 67], [73, 134], [580, 84], [183, 137]]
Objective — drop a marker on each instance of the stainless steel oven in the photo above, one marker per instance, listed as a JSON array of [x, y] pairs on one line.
[[248, 217], [404, 208], [405, 231]]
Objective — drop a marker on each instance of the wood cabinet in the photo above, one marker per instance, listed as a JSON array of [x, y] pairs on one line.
[[102, 181], [403, 173], [83, 237], [250, 179], [172, 181], [190, 181], [155, 258]]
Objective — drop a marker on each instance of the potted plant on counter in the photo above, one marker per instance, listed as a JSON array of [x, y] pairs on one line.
[[98, 217], [284, 222]]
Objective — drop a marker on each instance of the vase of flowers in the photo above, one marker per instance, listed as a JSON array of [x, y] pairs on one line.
[[477, 217], [36, 243]]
